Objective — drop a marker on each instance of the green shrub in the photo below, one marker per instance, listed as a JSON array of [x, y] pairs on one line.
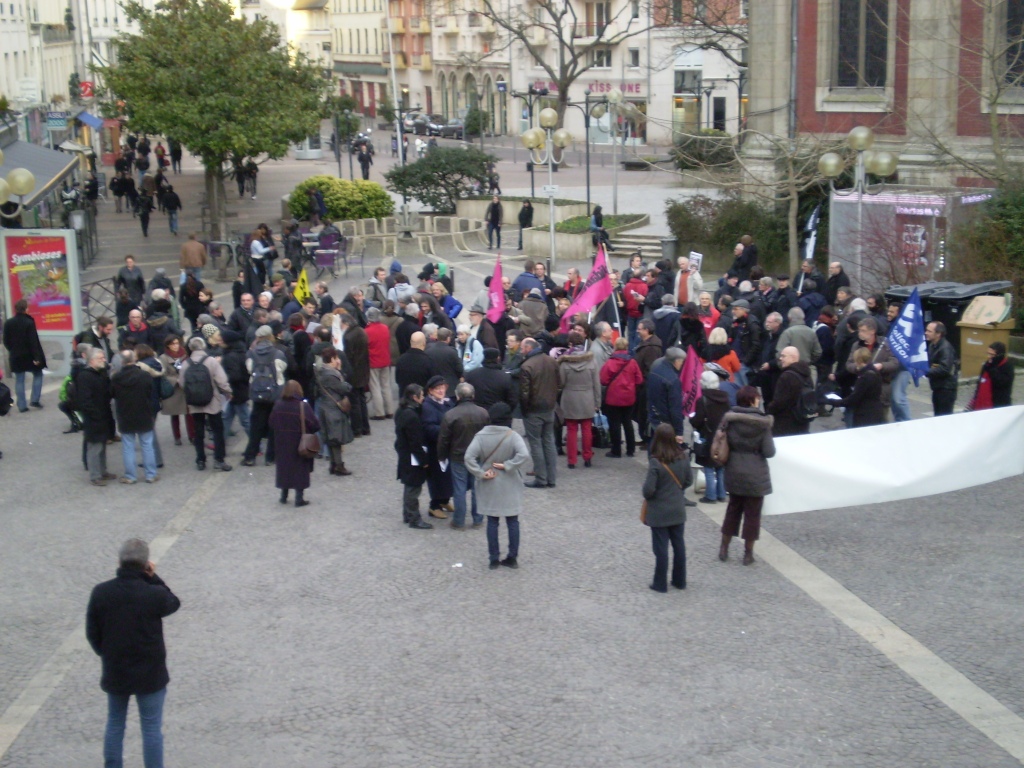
[[706, 149], [345, 200], [476, 122]]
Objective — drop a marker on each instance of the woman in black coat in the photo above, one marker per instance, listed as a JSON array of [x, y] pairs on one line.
[[412, 458], [668, 475], [25, 352], [525, 220], [691, 331], [749, 433], [190, 301], [995, 382], [866, 398], [293, 470]]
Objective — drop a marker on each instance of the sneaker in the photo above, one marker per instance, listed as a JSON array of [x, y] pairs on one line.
[[109, 476], [99, 483], [152, 479], [126, 480], [494, 565], [613, 455], [587, 464], [223, 466], [453, 526], [201, 466], [478, 525], [510, 562], [706, 500], [248, 463], [440, 514], [36, 405]]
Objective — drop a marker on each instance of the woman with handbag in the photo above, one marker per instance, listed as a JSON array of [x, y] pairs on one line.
[[295, 426], [496, 457], [334, 408], [621, 378], [664, 509], [174, 406], [748, 433], [711, 407]]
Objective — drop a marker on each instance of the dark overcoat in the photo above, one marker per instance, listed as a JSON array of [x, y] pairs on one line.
[[292, 470], [23, 345], [409, 442], [93, 392]]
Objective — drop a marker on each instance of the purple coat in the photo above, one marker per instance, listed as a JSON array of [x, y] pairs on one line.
[[292, 470]]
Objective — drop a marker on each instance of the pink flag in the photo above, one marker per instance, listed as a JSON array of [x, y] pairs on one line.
[[690, 379], [496, 293], [596, 289]]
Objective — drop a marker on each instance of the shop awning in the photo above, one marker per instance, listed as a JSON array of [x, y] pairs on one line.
[[48, 166], [73, 146], [91, 120]]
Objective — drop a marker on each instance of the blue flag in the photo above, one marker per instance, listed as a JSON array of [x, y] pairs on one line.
[[906, 338]]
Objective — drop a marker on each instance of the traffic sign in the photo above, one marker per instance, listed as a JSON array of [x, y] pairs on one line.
[[550, 190], [85, 89], [502, 86]]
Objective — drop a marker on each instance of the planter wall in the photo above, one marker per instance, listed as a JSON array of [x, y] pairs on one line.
[[537, 242], [476, 209]]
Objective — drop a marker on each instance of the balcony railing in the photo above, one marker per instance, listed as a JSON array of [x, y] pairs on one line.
[[475, 20], [590, 29]]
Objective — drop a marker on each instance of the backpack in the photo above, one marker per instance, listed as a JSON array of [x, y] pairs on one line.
[[68, 392], [720, 445], [263, 386], [6, 401], [198, 384], [806, 409]]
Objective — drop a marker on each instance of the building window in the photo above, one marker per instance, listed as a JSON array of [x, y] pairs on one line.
[[677, 10], [744, 8], [700, 9], [602, 58], [635, 9], [1013, 24], [862, 43], [634, 57]]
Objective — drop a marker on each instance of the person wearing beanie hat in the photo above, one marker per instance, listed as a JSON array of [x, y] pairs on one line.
[[495, 457], [209, 331], [708, 413]]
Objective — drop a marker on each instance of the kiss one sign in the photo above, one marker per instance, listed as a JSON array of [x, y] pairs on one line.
[[628, 89]]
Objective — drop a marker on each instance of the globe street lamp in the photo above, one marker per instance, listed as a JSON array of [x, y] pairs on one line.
[[882, 164], [542, 143], [20, 182]]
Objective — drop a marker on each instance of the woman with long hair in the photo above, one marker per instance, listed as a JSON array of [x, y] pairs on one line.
[[749, 433], [668, 475], [174, 406], [291, 416]]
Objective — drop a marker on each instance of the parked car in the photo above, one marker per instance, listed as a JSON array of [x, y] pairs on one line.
[[434, 124], [453, 129], [409, 121]]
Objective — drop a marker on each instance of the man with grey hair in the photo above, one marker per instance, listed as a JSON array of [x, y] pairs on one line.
[[665, 392], [458, 428], [602, 346], [124, 626], [800, 336], [538, 396], [209, 414], [132, 388], [444, 356], [92, 399], [324, 300]]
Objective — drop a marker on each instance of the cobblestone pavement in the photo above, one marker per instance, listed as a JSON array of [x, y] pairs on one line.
[[334, 636]]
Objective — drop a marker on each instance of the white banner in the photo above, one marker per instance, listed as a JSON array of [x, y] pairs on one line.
[[869, 465]]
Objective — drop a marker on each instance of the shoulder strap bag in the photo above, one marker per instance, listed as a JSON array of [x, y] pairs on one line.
[[309, 442]]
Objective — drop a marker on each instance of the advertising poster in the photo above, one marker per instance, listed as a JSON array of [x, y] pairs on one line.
[[42, 266]]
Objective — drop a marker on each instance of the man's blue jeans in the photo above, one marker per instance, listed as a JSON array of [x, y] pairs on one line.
[[148, 453], [900, 403], [172, 219], [19, 388], [462, 481], [493, 523], [241, 410], [714, 478], [151, 715]]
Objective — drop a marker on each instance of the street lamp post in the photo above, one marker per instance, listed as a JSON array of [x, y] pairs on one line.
[[480, 117], [614, 101], [881, 164], [19, 182], [585, 107], [529, 96], [549, 138]]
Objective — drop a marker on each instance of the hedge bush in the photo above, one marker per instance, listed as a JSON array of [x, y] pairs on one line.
[[578, 225], [345, 200]]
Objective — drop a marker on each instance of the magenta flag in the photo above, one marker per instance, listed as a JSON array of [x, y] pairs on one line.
[[596, 289], [496, 293], [690, 379]]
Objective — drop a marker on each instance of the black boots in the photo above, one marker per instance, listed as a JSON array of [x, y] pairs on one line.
[[748, 553], [299, 501], [339, 469], [723, 551]]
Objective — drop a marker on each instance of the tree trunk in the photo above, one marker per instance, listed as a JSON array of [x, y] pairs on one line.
[[793, 221], [216, 204]]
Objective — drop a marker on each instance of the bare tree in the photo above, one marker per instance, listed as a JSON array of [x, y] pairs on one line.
[[710, 25], [576, 45]]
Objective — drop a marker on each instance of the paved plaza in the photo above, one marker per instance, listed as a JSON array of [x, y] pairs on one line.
[[333, 636]]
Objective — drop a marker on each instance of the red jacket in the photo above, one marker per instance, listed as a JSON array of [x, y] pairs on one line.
[[621, 375], [635, 307], [379, 337]]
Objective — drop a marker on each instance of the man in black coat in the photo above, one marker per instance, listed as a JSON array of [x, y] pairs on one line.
[[943, 369], [26, 354], [665, 392], [410, 325], [242, 318], [133, 392], [837, 279], [445, 358], [357, 350], [796, 375], [409, 441], [124, 626], [92, 399], [492, 384], [414, 367], [808, 271]]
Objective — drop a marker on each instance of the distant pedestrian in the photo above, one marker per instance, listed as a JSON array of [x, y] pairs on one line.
[[124, 626], [525, 220], [130, 278], [145, 208], [26, 354], [365, 161], [493, 218], [172, 204]]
